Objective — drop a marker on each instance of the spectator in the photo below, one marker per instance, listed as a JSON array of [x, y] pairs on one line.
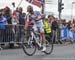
[[24, 15], [21, 19], [15, 17], [21, 23], [54, 27], [9, 31], [47, 28], [7, 14], [3, 23]]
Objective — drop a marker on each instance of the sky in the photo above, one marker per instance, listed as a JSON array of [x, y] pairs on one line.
[[51, 8]]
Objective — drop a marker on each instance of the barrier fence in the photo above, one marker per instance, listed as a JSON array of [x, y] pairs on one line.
[[14, 33], [67, 34], [11, 33]]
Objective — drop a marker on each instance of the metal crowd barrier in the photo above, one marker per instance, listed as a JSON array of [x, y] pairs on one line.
[[11, 33], [15, 34], [67, 34]]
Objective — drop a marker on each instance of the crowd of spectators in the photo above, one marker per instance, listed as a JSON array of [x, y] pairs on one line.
[[7, 17], [8, 20]]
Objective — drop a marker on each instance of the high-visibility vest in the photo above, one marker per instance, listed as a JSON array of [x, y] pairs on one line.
[[46, 27]]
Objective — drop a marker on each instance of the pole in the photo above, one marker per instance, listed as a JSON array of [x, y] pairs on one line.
[[43, 7], [19, 3], [58, 31], [59, 1], [72, 11], [59, 15]]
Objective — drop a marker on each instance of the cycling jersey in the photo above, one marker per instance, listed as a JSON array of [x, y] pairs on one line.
[[37, 21]]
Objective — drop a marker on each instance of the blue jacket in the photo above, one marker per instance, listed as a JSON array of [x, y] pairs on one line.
[[3, 22], [21, 19]]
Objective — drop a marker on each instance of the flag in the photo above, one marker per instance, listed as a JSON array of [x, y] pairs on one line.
[[36, 2]]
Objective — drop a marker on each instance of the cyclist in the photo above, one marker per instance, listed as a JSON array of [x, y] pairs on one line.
[[34, 17]]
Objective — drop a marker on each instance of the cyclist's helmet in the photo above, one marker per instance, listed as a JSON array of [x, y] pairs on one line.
[[29, 8]]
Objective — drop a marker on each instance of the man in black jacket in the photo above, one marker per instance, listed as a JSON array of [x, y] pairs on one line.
[[54, 27]]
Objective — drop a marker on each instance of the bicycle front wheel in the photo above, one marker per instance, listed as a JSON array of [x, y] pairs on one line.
[[49, 45], [29, 47]]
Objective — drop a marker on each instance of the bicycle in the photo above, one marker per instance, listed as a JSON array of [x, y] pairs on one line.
[[32, 41]]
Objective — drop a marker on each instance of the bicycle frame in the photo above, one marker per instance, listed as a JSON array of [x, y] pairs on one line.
[[36, 36]]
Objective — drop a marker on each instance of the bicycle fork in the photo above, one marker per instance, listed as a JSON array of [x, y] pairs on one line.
[[36, 38]]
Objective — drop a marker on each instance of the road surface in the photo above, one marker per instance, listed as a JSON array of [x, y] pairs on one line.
[[60, 52]]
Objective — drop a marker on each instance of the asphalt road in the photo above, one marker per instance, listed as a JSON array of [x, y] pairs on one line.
[[60, 52]]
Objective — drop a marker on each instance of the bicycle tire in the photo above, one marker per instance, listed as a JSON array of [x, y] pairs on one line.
[[51, 46], [25, 49]]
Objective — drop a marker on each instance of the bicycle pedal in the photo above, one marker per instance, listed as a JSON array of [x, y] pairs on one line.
[[40, 48]]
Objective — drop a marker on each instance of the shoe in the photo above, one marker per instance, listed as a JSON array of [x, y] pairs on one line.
[[44, 49], [40, 48]]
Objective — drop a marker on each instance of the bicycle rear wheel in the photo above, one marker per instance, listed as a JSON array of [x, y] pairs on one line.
[[49, 45], [29, 47]]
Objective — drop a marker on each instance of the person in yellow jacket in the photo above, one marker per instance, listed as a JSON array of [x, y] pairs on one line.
[[47, 28]]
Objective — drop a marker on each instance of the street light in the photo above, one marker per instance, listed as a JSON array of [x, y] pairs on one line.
[[60, 7], [72, 10]]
